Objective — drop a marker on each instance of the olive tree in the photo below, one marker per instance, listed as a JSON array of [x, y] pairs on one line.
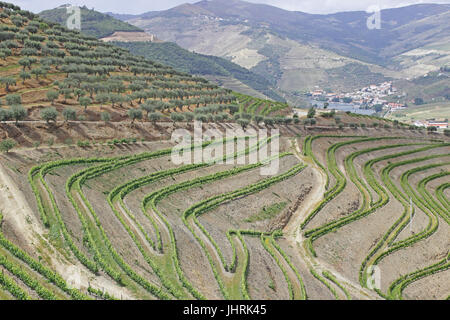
[[7, 145], [49, 114], [134, 114], [52, 95], [69, 114]]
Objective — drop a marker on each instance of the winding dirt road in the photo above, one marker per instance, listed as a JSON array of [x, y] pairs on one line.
[[294, 236]]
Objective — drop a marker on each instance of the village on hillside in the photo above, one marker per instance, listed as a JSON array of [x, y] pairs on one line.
[[375, 98]]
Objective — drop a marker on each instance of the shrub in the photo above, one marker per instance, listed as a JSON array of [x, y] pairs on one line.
[[105, 116], [177, 117], [52, 95], [311, 113], [154, 116], [69, 114], [13, 99], [7, 145]]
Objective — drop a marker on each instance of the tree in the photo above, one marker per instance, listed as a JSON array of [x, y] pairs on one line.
[[177, 117], [67, 93], [189, 116], [105, 116], [311, 113], [18, 113], [52, 95], [69, 114], [268, 121], [7, 145], [37, 72], [13, 99], [85, 101], [447, 132], [102, 98], [243, 123], [378, 107], [25, 63], [418, 101], [154, 116], [79, 93], [115, 98], [148, 107], [49, 114], [134, 114], [7, 82], [258, 119], [5, 115], [24, 76]]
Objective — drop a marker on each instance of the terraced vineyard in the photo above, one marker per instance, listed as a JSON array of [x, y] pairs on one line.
[[346, 217], [361, 212], [255, 106]]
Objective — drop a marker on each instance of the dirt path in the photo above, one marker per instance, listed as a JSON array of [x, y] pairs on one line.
[[295, 238]]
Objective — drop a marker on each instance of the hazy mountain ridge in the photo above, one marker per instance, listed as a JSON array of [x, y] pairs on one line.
[[345, 33], [298, 51]]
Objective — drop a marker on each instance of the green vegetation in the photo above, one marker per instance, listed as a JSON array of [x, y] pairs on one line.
[[182, 60], [386, 245], [267, 212]]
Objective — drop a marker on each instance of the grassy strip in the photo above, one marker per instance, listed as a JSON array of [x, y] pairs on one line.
[[267, 245], [333, 279], [441, 197], [341, 181], [101, 294], [150, 287], [123, 190], [244, 286], [363, 210], [51, 276], [32, 283], [208, 204], [384, 199], [12, 287], [438, 206], [151, 201], [303, 294], [325, 283], [397, 287]]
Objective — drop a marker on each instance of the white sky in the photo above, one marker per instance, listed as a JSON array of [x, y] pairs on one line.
[[141, 6]]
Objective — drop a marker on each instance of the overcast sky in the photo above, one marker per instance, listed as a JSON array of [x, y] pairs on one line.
[[141, 6]]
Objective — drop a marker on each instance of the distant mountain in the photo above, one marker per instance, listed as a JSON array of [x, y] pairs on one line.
[[216, 69], [298, 51], [344, 33]]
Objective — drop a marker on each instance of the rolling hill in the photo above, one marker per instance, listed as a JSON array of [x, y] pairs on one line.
[[218, 70]]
